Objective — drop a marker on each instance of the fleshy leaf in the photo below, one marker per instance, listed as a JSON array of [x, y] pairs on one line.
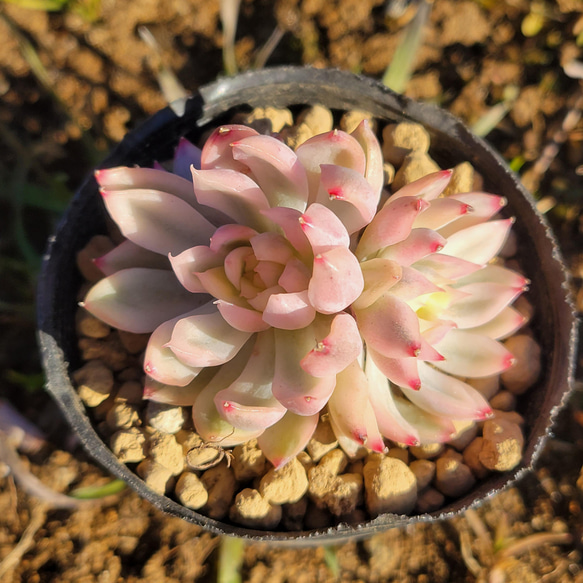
[[206, 339], [428, 188], [241, 318], [323, 228], [419, 244], [412, 284], [271, 247], [128, 254], [217, 151], [285, 439], [442, 269], [216, 283], [484, 206], [400, 371], [374, 157], [430, 428], [191, 261], [289, 222], [494, 274], [175, 395], [227, 237], [295, 276], [185, 156], [289, 311], [442, 212], [379, 275], [157, 221], [506, 323], [139, 299]]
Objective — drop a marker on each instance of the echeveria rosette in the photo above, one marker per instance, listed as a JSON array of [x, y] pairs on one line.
[[279, 286]]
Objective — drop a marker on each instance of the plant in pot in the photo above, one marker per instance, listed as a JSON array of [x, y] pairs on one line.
[[313, 327]]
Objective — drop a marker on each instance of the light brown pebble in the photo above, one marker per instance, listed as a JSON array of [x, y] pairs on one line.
[[486, 386], [334, 462], [452, 477], [191, 491], [525, 307], [94, 382], [511, 416], [472, 458], [526, 370], [466, 431], [165, 418], [133, 343], [504, 401], [131, 392], [462, 179], [156, 476], [164, 449], [390, 486], [399, 453], [278, 117], [285, 485], [427, 451], [252, 510], [424, 471], [131, 373], [429, 500], [352, 119], [109, 350], [122, 416], [451, 454], [293, 514], [502, 445], [388, 173], [97, 246], [304, 458], [129, 445], [345, 495], [322, 441], [248, 461], [415, 166], [220, 484], [90, 326], [402, 139], [318, 118]]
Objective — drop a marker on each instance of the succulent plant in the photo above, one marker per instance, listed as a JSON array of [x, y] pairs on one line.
[[280, 285]]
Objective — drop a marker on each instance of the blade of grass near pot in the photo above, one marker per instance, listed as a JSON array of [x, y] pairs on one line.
[[231, 554], [496, 113], [398, 73], [229, 12]]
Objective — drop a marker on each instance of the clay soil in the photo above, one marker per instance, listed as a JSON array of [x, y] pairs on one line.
[[73, 82]]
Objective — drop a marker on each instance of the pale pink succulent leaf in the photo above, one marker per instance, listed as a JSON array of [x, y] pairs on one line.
[[289, 222], [484, 206], [235, 264], [272, 247], [227, 237], [233, 194], [348, 194], [436, 331], [323, 228], [295, 276], [413, 284], [128, 254], [442, 394], [248, 402], [374, 172], [281, 442], [379, 276], [336, 350], [289, 311], [420, 243], [390, 327], [392, 224], [468, 354], [351, 411], [430, 428], [442, 212], [140, 299], [428, 188], [156, 220], [216, 283], [506, 323], [181, 396], [206, 339], [336, 280], [217, 151], [276, 169], [484, 302], [259, 302], [391, 422], [334, 147], [479, 243], [191, 261], [161, 364], [400, 371], [241, 318], [185, 156], [444, 269], [494, 274], [297, 390]]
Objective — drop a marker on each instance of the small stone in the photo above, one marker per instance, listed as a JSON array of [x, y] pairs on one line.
[[97, 246], [399, 453], [94, 382], [131, 392], [128, 445], [285, 485], [122, 416], [293, 514], [466, 432], [462, 179], [252, 510], [429, 500], [452, 477], [353, 118], [220, 484], [90, 326], [415, 166], [502, 445], [511, 416], [486, 386], [390, 486], [322, 441], [318, 118], [248, 461], [191, 491], [157, 477], [424, 471], [345, 495], [278, 118], [109, 350], [427, 451], [526, 370], [333, 462], [525, 307], [133, 343], [165, 418], [164, 449], [388, 173], [472, 458], [403, 139], [504, 401]]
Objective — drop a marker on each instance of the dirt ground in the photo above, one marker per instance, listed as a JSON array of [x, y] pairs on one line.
[[73, 82]]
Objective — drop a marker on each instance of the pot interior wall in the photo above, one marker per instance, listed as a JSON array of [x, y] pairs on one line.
[[451, 143]]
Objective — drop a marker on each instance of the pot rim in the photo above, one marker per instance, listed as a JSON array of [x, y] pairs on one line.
[[342, 91]]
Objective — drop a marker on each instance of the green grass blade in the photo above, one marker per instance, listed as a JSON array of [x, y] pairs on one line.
[[231, 554]]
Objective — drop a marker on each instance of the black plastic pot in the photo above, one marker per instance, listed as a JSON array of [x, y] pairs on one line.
[[451, 143]]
